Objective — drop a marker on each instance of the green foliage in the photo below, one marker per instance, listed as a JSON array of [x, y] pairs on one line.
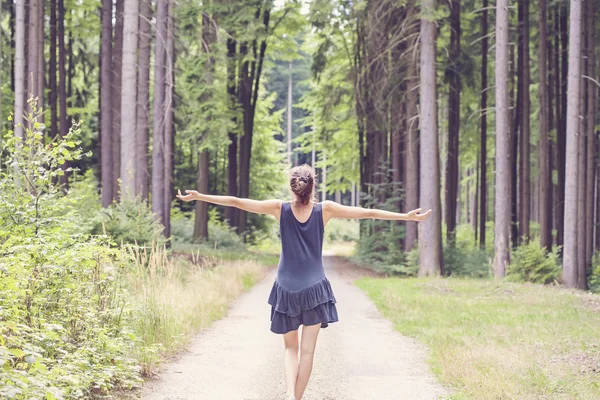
[[342, 230], [220, 235], [465, 258], [532, 263], [594, 278], [63, 331]]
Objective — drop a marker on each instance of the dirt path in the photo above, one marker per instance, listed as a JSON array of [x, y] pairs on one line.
[[360, 357]]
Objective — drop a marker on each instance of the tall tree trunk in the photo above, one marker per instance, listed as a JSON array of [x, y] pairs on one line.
[[411, 159], [143, 100], [545, 180], [117, 67], [106, 154], [249, 88], [129, 98], [232, 149], [11, 23], [582, 156], [592, 91], [430, 234], [514, 141], [32, 50], [562, 128], [502, 207], [40, 58], [169, 119], [524, 158], [20, 72], [289, 117], [483, 139], [570, 262], [453, 122], [62, 73], [158, 131], [201, 215], [52, 70]]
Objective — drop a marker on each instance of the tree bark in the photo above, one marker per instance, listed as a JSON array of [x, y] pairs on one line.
[[545, 177], [201, 215], [52, 71], [411, 159], [502, 207], [562, 128], [169, 119], [453, 122], [592, 91], [62, 73], [32, 50], [40, 59], [117, 68], [143, 100], [483, 138], [129, 98], [430, 233], [232, 149], [524, 157], [20, 72], [158, 131], [106, 154], [570, 262]]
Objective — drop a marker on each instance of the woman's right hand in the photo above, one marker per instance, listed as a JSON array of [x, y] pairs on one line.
[[191, 195], [416, 215]]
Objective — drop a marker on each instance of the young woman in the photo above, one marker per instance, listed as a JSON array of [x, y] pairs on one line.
[[301, 293]]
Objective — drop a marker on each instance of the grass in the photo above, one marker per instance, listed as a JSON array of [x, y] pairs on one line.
[[499, 340], [175, 297]]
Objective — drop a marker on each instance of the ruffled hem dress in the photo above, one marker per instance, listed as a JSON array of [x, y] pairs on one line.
[[301, 293]]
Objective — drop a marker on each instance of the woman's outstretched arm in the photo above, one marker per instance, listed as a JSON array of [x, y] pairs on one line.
[[335, 210], [272, 207]]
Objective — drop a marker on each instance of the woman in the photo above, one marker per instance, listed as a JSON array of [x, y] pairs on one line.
[[301, 294]]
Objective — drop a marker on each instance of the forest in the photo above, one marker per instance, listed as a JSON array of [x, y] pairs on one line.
[[484, 111]]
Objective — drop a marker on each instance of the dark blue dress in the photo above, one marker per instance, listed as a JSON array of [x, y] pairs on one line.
[[301, 294]]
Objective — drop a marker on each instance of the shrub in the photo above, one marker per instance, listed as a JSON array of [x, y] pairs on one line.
[[220, 235], [465, 258], [532, 263], [63, 330], [594, 278]]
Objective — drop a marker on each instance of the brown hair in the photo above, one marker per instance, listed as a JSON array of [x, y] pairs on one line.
[[303, 183]]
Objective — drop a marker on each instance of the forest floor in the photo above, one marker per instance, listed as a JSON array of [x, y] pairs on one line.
[[360, 357]]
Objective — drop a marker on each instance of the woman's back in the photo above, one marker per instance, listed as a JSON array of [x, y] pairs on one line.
[[300, 263]]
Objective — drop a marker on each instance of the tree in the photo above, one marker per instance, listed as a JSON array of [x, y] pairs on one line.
[[20, 80], [430, 233], [570, 262], [169, 127], [52, 69], [502, 207], [592, 93], [411, 158], [158, 136], [117, 67], [525, 126], [106, 151], [143, 100], [452, 174], [545, 177], [128, 98], [483, 139], [202, 181]]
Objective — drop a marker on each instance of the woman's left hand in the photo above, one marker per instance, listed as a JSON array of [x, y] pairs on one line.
[[416, 215], [191, 195]]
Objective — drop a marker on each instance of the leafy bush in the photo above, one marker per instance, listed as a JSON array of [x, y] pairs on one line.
[[220, 235], [594, 278], [532, 263], [342, 230], [465, 258], [63, 330]]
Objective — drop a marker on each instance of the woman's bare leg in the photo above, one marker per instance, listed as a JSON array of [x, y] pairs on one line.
[[290, 365], [307, 352]]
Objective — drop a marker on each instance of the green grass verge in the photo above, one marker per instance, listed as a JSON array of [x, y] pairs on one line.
[[499, 340]]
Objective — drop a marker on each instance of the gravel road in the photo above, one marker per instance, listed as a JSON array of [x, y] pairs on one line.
[[360, 357]]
